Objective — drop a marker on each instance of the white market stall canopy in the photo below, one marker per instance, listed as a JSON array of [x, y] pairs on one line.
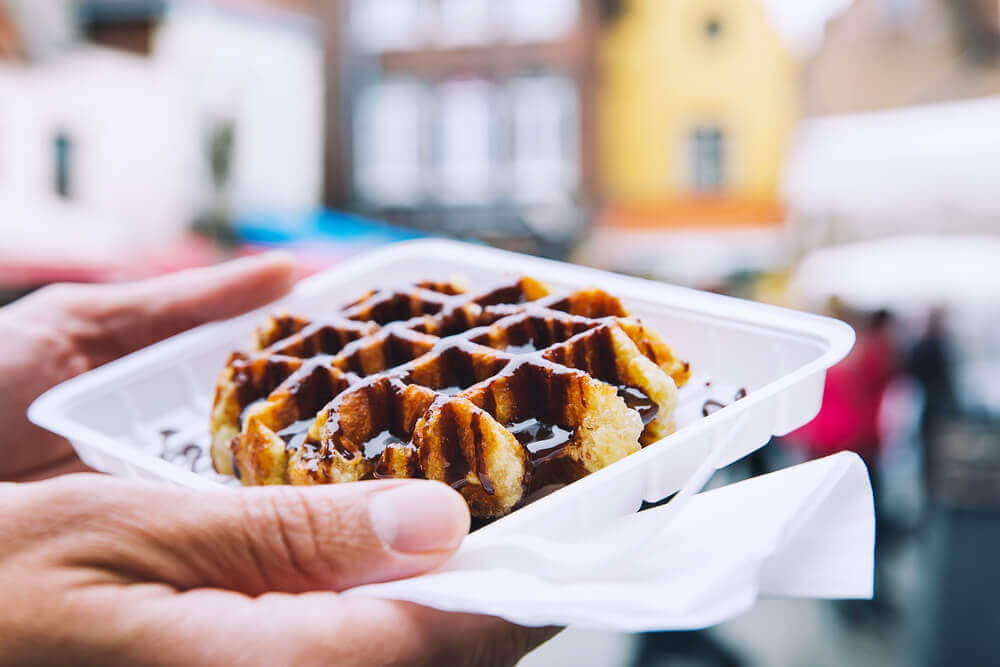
[[932, 159], [915, 272]]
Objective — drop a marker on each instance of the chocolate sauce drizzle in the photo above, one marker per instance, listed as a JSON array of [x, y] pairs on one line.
[[542, 442], [374, 448], [294, 435], [711, 405], [189, 452], [440, 340], [637, 399]]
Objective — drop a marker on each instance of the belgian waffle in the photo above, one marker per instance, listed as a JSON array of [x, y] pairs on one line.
[[500, 393]]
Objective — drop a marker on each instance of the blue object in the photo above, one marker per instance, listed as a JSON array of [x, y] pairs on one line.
[[322, 226]]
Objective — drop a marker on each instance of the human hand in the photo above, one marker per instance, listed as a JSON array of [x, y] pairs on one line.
[[97, 570], [62, 330]]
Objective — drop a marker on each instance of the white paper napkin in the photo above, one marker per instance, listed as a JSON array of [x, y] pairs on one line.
[[806, 531]]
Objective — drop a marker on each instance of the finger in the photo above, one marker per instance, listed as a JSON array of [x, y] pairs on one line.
[[369, 631], [426, 636], [150, 624], [288, 539], [111, 320], [62, 460]]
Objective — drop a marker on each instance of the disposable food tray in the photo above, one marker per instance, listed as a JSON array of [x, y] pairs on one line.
[[146, 416]]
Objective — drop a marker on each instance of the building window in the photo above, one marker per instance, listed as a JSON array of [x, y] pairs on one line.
[[545, 139], [389, 124], [463, 150], [713, 28], [540, 21], [464, 22], [388, 25], [707, 158], [62, 153]]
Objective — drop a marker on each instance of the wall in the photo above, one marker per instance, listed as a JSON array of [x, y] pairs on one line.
[[881, 55], [134, 157], [262, 70], [661, 76]]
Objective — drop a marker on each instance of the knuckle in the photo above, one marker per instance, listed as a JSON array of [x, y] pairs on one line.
[[43, 513], [292, 517], [57, 293], [83, 498], [278, 527]]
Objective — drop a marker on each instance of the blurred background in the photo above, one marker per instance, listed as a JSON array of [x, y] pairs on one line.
[[841, 156]]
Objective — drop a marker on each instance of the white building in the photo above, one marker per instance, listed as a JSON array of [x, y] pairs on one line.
[[470, 114], [101, 151]]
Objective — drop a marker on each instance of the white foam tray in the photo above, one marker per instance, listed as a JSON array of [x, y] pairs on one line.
[[116, 415]]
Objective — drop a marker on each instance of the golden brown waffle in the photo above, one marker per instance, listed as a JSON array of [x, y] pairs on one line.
[[501, 393]]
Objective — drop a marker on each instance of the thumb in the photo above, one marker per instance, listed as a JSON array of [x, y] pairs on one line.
[[282, 538]]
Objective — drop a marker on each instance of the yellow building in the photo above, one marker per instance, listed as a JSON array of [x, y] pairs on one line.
[[697, 100]]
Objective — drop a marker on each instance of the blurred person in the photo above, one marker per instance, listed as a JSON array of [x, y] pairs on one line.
[[852, 395], [930, 364], [99, 570]]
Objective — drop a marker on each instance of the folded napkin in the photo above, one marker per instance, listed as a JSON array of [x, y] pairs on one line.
[[703, 558]]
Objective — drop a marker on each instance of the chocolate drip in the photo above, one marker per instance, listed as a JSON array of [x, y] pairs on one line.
[[374, 448], [477, 445], [637, 399], [542, 442], [711, 405], [189, 453], [294, 435], [192, 453], [607, 368]]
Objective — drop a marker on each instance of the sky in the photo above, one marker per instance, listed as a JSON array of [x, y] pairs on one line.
[[801, 22]]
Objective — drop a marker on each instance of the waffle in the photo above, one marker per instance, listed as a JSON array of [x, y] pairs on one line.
[[502, 393]]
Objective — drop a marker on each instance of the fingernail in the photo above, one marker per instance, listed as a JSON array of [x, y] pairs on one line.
[[419, 517]]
